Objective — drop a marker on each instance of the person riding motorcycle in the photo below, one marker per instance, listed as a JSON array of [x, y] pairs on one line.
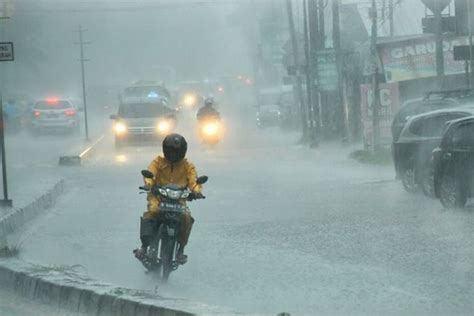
[[208, 110], [172, 168]]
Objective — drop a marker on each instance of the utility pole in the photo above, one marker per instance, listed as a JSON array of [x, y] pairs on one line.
[[299, 87], [81, 44], [321, 43], [439, 41], [390, 17], [314, 44], [322, 33], [309, 77], [469, 22], [5, 201], [375, 81], [336, 35]]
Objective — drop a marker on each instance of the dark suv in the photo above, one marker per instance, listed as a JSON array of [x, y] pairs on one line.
[[412, 152], [432, 100], [454, 164]]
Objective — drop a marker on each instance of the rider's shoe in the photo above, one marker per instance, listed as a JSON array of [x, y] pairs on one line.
[[181, 258], [140, 253]]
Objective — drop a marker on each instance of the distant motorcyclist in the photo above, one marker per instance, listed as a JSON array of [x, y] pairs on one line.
[[208, 110], [173, 168], [12, 115]]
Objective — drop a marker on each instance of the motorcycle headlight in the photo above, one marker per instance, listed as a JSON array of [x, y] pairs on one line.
[[189, 100], [211, 128], [163, 192], [120, 128], [163, 127], [173, 194]]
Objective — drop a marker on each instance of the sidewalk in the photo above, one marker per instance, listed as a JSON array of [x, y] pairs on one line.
[[25, 185]]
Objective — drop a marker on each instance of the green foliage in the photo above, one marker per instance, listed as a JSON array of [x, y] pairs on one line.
[[8, 252], [382, 156]]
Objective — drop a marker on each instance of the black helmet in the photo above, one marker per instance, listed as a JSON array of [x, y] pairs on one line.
[[174, 147]]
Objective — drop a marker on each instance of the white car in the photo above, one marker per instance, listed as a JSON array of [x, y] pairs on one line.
[[54, 114]]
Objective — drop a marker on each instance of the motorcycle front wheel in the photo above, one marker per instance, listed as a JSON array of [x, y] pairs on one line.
[[168, 247]]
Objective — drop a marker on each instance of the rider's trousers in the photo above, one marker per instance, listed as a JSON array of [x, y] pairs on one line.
[[153, 210]]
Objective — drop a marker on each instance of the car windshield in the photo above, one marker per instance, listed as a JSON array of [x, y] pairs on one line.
[[53, 105], [146, 92], [143, 110]]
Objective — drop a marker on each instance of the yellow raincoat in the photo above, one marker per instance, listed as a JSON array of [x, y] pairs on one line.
[[182, 174]]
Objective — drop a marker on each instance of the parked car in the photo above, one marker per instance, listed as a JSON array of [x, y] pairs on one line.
[[412, 151], [432, 100], [54, 114], [453, 164], [275, 106], [142, 123], [268, 115]]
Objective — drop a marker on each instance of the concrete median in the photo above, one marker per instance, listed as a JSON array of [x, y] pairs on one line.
[[74, 292], [76, 159], [71, 291]]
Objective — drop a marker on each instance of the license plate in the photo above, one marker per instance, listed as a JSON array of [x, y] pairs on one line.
[[171, 206]]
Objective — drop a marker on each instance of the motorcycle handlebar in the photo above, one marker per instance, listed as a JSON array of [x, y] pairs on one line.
[[192, 196]]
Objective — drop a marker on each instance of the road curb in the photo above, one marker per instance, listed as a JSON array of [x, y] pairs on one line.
[[76, 298], [68, 290], [75, 160], [74, 292], [11, 222]]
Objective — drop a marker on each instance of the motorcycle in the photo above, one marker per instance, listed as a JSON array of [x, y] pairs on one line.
[[210, 129], [160, 256]]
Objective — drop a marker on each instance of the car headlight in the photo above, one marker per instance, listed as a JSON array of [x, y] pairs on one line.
[[120, 128], [163, 127], [189, 100]]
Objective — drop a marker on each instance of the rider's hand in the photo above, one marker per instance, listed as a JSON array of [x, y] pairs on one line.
[[196, 196]]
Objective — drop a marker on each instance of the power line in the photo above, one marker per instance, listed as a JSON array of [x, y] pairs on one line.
[[152, 7]]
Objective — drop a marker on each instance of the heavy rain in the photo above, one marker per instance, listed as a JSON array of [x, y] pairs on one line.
[[236, 157]]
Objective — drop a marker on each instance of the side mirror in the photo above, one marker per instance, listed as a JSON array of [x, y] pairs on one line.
[[114, 117], [202, 179], [147, 174]]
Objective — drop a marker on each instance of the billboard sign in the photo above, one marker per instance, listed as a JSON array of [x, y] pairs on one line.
[[416, 58]]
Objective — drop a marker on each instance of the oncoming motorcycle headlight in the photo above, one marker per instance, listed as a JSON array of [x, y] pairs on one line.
[[211, 128], [120, 128], [189, 100]]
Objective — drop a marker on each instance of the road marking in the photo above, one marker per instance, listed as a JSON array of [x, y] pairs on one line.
[[378, 181], [92, 146]]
